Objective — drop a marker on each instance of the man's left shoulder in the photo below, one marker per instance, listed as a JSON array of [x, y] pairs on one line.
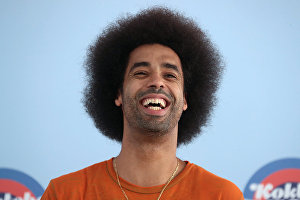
[[214, 184]]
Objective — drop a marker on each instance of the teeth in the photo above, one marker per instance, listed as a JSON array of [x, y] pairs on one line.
[[156, 101], [163, 103], [154, 108]]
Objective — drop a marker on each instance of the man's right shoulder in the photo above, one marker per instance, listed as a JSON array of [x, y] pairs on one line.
[[84, 176], [74, 184]]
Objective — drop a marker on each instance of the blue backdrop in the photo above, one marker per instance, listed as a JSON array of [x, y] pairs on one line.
[[45, 131]]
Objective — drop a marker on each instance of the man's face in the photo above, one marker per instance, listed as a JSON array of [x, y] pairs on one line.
[[152, 98]]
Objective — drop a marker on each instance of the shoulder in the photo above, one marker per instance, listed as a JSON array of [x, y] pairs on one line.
[[74, 184], [87, 174], [213, 184]]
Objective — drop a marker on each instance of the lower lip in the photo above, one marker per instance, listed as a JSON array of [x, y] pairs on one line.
[[160, 112]]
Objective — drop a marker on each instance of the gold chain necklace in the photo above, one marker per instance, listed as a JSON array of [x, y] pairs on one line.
[[161, 192]]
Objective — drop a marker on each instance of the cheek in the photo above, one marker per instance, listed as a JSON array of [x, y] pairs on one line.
[[132, 87], [179, 89], [129, 93], [177, 92]]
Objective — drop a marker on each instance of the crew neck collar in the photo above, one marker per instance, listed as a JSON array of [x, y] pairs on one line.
[[145, 190]]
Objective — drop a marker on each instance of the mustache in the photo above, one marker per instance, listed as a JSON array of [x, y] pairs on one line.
[[154, 91]]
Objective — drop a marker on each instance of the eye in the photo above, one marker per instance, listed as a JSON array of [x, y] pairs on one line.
[[170, 76], [140, 74]]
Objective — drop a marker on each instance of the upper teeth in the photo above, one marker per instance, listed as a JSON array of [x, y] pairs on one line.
[[156, 101]]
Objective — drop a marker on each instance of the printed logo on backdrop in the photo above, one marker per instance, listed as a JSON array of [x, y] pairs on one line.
[[278, 180], [16, 185]]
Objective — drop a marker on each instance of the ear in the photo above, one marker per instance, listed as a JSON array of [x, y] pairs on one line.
[[185, 106], [118, 100]]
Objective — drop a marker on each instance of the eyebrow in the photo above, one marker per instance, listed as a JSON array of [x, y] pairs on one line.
[[170, 66], [139, 64], [147, 64]]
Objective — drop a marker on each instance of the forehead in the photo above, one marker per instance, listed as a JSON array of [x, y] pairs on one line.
[[155, 53]]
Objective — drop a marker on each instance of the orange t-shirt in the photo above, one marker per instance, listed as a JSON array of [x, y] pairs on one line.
[[99, 182]]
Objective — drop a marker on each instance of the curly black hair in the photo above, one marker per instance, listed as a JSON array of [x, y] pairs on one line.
[[107, 60]]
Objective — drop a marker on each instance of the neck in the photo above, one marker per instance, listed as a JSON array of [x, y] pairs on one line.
[[148, 160]]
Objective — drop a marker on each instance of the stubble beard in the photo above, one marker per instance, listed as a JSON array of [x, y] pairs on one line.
[[149, 124]]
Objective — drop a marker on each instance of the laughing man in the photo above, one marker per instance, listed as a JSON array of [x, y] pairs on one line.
[[152, 80]]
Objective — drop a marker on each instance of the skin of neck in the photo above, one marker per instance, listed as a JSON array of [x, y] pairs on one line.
[[146, 160]]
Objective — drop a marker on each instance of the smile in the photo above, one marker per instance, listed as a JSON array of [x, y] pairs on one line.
[[154, 103]]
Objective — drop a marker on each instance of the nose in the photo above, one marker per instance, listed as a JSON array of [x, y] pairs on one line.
[[156, 81]]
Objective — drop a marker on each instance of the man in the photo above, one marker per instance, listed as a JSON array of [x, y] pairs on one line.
[[152, 80]]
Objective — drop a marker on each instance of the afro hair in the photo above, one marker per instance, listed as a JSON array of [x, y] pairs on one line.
[[107, 60]]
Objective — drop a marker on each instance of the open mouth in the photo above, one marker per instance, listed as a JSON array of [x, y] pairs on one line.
[[154, 103]]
